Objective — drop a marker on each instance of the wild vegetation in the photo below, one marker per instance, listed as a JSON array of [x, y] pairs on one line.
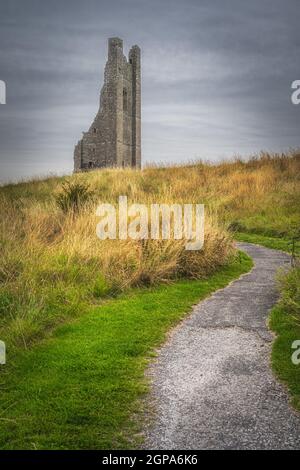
[[53, 265], [81, 385], [285, 321]]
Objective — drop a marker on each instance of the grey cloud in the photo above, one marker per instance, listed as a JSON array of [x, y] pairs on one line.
[[216, 77]]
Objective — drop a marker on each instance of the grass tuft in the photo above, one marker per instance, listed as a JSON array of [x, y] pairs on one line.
[[72, 196]]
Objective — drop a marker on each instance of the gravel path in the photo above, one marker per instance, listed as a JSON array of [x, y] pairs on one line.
[[212, 384]]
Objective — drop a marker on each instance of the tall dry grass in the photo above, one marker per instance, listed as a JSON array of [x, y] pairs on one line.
[[53, 266]]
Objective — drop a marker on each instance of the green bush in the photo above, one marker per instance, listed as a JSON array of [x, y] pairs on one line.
[[290, 292], [100, 287], [73, 196]]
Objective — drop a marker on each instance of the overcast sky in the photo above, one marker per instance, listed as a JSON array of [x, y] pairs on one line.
[[216, 77]]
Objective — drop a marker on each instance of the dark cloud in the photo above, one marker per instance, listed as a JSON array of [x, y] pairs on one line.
[[216, 77]]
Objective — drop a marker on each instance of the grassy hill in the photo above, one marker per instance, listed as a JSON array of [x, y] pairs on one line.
[[52, 261], [81, 316]]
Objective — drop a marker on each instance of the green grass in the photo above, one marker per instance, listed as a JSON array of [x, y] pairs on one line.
[[82, 388], [276, 243], [288, 331], [285, 321]]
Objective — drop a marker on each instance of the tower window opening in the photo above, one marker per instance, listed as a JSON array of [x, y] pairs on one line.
[[125, 100]]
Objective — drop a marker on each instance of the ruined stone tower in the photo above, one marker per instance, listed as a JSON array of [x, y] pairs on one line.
[[114, 138]]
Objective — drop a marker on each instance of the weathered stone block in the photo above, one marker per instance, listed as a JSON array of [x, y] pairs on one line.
[[114, 138]]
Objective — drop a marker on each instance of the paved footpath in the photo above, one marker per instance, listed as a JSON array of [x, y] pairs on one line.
[[212, 383]]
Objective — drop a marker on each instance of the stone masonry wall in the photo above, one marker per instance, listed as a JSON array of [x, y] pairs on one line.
[[114, 138]]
